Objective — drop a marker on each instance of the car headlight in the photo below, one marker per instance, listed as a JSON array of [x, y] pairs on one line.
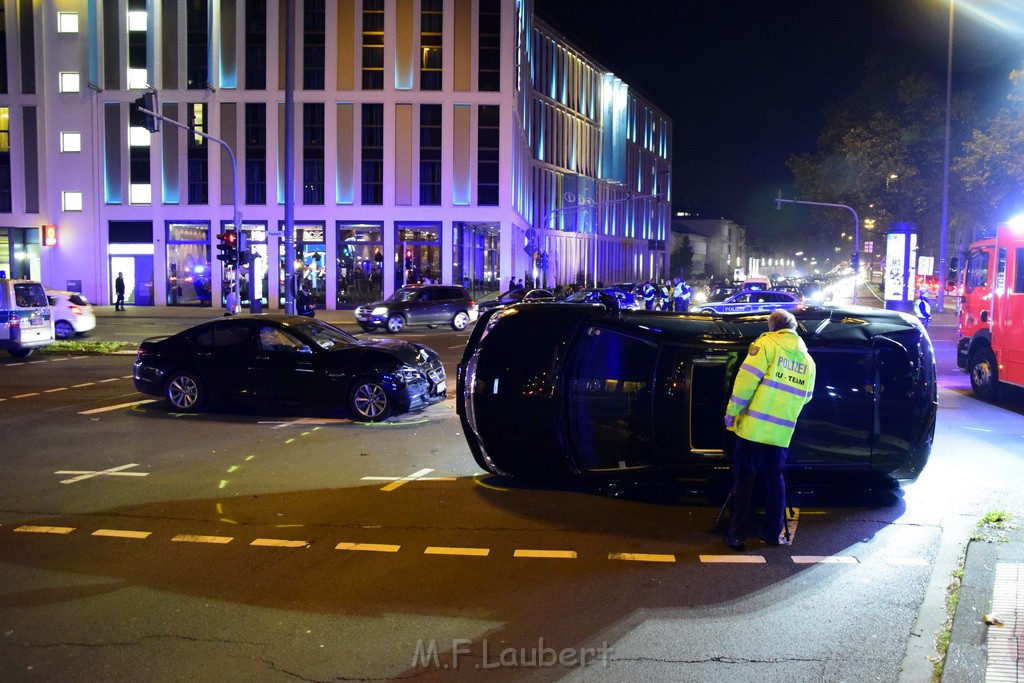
[[380, 310], [408, 373]]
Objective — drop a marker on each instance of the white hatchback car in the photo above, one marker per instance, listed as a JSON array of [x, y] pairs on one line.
[[72, 313]]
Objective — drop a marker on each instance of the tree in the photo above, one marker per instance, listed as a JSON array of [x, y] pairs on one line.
[[991, 169], [680, 261], [880, 152]]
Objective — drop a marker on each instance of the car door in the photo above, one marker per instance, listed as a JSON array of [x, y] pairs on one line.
[[283, 367], [423, 310], [219, 355]]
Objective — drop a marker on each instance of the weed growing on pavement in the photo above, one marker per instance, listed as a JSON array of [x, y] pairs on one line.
[[994, 526], [943, 637]]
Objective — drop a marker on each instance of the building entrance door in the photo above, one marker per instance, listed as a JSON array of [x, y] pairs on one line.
[[138, 278]]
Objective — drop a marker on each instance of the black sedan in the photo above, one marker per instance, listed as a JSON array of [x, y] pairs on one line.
[[289, 360], [514, 296], [629, 395]]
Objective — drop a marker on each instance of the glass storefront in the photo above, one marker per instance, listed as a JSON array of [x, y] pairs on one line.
[[417, 253], [19, 253], [310, 262], [252, 283], [360, 262], [188, 264], [475, 257]]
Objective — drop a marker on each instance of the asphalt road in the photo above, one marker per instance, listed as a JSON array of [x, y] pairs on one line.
[[140, 544]]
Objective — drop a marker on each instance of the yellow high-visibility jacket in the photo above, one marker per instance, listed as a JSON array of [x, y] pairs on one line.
[[772, 386]]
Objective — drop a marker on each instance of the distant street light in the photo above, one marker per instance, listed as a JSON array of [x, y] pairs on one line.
[[943, 267]]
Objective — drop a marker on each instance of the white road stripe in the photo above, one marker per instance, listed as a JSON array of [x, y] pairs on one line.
[[824, 559], [733, 559], [443, 550], [26, 395], [122, 533], [279, 543], [117, 407], [52, 391], [112, 379], [190, 538], [28, 528], [79, 386], [369, 547]]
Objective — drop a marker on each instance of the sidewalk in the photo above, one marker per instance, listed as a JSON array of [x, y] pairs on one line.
[[993, 585]]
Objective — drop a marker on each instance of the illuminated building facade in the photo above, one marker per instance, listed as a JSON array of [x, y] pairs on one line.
[[460, 141]]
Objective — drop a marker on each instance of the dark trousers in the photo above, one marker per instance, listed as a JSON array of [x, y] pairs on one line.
[[119, 304], [750, 460]]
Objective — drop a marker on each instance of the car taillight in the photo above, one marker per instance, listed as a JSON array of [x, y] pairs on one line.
[[76, 310], [14, 320]]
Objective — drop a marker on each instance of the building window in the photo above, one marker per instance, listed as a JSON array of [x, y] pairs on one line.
[[198, 155], [313, 153], [5, 158], [138, 159], [197, 45], [360, 262], [373, 154], [256, 45], [489, 55], [188, 264], [313, 49], [488, 148], [70, 81], [431, 32], [430, 154], [3, 48], [255, 153], [67, 22], [141, 194], [373, 44], [71, 141], [418, 253], [71, 201]]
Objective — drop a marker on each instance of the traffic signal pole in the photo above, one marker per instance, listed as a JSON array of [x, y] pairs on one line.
[[237, 216], [855, 258]]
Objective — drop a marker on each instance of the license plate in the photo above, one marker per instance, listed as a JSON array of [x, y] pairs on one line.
[[440, 388]]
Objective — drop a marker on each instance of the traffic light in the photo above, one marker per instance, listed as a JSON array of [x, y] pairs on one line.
[[149, 102], [228, 247]]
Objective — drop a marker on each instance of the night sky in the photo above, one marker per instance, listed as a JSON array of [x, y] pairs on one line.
[[746, 82]]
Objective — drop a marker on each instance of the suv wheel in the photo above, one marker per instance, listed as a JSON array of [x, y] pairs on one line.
[[460, 321], [395, 323]]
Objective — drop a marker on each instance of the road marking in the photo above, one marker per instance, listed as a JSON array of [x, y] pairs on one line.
[[28, 528], [553, 554], [190, 538], [642, 557], [369, 547], [89, 474], [907, 561], [112, 379], [79, 386], [415, 476], [122, 533], [51, 391], [279, 543], [443, 550], [824, 559], [94, 411], [733, 559], [36, 393], [303, 421]]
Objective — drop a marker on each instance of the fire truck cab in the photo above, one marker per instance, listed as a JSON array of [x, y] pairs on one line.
[[991, 320]]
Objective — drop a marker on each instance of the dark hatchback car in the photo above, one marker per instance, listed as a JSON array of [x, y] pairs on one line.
[[430, 305], [634, 395], [289, 360]]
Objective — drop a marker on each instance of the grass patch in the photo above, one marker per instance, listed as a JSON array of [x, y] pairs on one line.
[[993, 527], [90, 347]]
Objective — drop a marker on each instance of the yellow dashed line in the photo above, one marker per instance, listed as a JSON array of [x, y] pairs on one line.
[[190, 538], [443, 550], [552, 554], [36, 393], [279, 543], [28, 528], [733, 559], [642, 557], [53, 391], [122, 533], [369, 547]]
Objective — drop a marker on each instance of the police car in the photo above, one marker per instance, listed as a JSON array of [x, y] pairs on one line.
[[754, 301]]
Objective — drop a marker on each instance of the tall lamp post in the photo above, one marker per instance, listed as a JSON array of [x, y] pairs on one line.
[[943, 268]]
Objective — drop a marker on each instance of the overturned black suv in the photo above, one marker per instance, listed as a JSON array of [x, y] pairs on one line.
[[631, 395]]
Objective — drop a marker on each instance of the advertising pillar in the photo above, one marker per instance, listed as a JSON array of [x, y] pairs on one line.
[[900, 267]]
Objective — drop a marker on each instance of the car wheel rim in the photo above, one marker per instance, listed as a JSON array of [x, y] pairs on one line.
[[982, 374], [395, 324], [370, 400], [461, 320], [183, 392]]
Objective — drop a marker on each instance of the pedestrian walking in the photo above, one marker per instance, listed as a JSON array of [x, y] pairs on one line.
[[119, 291], [923, 309], [772, 386]]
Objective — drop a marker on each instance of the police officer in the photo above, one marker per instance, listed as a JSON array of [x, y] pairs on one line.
[[682, 293], [772, 386], [648, 291], [923, 309]]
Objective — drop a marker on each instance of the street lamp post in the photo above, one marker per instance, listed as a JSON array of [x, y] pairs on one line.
[[943, 268], [855, 259]]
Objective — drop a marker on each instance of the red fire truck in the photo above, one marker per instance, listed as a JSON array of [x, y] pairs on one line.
[[991, 322]]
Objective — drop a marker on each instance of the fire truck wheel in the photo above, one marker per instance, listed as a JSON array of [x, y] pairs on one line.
[[984, 374]]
